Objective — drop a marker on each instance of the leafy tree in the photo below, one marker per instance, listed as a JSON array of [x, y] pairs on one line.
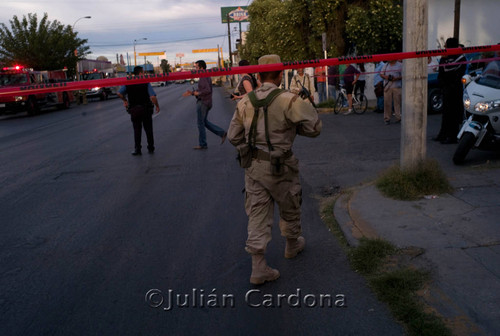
[[293, 28], [376, 28], [165, 66], [44, 45]]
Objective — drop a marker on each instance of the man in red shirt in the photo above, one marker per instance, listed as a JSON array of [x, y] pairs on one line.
[[320, 75]]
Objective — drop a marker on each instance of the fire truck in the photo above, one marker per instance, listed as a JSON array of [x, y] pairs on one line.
[[18, 76]]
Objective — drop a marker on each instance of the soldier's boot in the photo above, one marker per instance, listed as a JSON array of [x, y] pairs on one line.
[[261, 272], [294, 246]]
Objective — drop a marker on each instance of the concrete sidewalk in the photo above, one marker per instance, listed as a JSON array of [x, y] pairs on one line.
[[460, 237]]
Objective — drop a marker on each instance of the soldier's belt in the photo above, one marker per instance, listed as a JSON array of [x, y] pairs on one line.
[[261, 155]]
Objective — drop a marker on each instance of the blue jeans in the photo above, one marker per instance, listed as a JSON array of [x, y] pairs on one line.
[[202, 111], [321, 91], [332, 93], [380, 103]]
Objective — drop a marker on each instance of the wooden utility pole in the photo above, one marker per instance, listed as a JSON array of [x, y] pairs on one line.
[[456, 24], [229, 41], [414, 93], [230, 53]]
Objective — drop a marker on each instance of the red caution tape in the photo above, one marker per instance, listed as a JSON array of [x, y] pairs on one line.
[[214, 72]]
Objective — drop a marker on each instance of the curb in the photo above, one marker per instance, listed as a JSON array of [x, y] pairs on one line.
[[352, 225]]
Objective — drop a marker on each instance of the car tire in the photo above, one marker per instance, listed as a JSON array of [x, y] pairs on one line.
[[435, 101]]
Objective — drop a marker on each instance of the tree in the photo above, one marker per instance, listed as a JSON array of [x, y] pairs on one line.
[[376, 28], [165, 66], [44, 45], [293, 28]]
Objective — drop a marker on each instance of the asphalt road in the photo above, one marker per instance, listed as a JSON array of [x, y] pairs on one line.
[[89, 230]]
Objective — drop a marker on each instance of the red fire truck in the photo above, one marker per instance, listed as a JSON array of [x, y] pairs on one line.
[[18, 76]]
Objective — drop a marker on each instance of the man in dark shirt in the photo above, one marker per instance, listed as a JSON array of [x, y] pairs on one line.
[[351, 75], [451, 70], [203, 104], [138, 105]]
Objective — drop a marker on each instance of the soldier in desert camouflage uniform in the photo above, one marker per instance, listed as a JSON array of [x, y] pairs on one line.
[[271, 169]]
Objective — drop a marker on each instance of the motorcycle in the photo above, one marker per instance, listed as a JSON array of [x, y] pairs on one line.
[[482, 109]]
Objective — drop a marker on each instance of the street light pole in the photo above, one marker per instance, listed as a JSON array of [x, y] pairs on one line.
[[83, 17], [135, 56], [73, 28]]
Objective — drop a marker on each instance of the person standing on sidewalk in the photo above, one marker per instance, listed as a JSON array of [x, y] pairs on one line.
[[320, 75], [263, 129], [378, 84], [451, 70], [333, 81], [392, 91], [139, 105], [203, 104]]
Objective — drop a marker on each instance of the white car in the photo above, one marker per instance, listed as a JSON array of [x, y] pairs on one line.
[[157, 84]]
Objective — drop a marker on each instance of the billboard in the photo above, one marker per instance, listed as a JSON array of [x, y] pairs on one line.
[[236, 14]]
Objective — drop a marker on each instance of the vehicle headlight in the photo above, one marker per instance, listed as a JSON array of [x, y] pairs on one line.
[[484, 107], [18, 98], [95, 89], [466, 100]]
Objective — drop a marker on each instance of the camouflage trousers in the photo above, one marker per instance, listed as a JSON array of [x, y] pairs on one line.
[[262, 190]]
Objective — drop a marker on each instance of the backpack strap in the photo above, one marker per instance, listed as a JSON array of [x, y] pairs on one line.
[[257, 104]]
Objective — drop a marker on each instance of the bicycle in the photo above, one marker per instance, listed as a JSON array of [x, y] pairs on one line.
[[359, 101]]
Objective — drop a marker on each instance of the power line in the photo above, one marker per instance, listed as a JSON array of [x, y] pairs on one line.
[[155, 42]]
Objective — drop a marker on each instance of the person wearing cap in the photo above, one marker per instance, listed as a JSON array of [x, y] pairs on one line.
[[451, 70], [271, 168], [302, 80]]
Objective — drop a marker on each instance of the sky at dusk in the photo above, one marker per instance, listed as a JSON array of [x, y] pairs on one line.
[[172, 26]]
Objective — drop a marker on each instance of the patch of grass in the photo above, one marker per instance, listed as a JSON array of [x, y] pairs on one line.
[[330, 103], [407, 185], [396, 285], [397, 289], [391, 276], [370, 255]]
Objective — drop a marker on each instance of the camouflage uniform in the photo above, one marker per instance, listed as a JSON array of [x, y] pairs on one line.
[[289, 115]]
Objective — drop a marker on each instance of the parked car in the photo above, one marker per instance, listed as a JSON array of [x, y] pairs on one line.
[[158, 84]]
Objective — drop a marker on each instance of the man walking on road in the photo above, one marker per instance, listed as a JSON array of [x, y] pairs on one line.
[[140, 109], [203, 105], [263, 129]]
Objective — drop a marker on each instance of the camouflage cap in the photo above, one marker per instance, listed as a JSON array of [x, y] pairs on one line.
[[269, 59]]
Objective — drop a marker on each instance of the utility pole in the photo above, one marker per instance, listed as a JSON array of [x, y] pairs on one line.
[[456, 24], [218, 56], [230, 53], [229, 39], [414, 92]]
